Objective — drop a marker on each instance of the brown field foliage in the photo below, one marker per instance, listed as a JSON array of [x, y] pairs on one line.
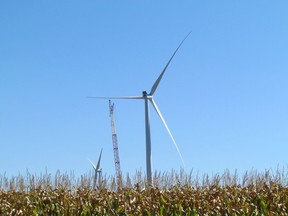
[[171, 194]]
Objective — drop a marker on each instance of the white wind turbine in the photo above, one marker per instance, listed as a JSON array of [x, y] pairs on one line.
[[97, 169], [149, 97]]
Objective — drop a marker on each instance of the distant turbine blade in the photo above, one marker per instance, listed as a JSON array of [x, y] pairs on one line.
[[98, 164], [125, 97], [154, 87], [92, 165], [167, 128]]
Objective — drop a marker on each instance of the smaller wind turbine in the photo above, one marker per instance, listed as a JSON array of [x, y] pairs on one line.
[[97, 169]]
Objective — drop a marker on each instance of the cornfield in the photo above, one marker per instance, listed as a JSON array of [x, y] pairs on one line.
[[172, 193]]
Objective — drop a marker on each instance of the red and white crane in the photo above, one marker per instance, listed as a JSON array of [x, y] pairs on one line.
[[115, 144]]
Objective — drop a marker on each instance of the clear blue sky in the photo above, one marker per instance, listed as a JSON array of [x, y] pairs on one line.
[[224, 96]]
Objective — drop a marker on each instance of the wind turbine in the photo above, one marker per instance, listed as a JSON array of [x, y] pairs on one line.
[[149, 97], [97, 169]]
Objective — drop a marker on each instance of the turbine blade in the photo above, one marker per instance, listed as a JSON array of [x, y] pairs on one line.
[[92, 164], [125, 97], [99, 160], [167, 128], [154, 87]]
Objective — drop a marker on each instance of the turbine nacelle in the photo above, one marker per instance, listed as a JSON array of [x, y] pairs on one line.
[[146, 95]]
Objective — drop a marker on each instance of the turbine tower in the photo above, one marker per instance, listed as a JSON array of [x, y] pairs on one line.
[[149, 97], [115, 144]]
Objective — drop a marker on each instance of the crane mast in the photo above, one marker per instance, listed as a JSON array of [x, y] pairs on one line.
[[115, 144]]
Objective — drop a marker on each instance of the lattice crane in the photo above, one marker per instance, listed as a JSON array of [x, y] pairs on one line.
[[115, 144]]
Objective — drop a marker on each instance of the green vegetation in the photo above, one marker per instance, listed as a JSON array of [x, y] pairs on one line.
[[172, 194]]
